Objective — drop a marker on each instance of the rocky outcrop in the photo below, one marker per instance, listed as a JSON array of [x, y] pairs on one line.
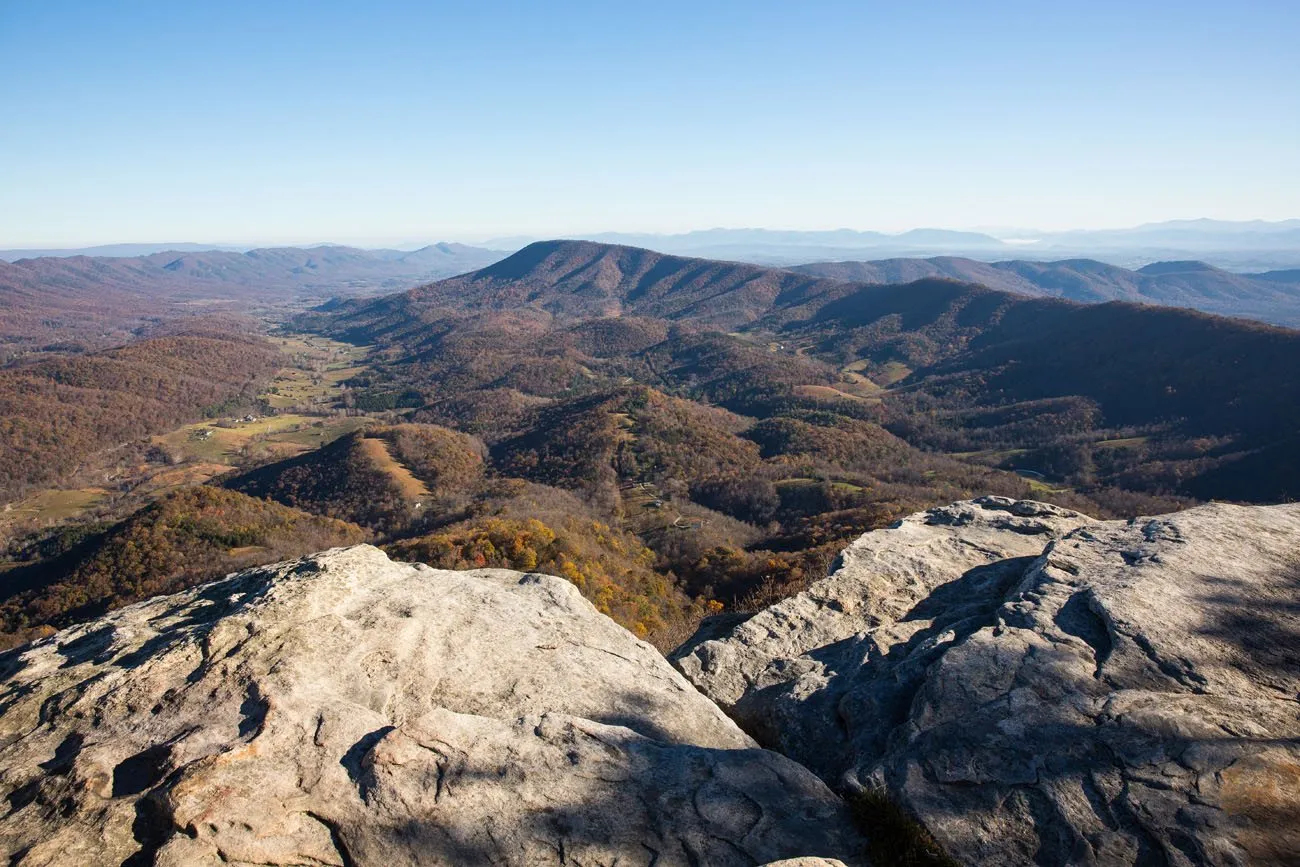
[[899, 598], [1131, 695], [348, 710]]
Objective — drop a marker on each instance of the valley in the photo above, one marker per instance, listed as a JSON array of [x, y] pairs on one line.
[[305, 395], [680, 436]]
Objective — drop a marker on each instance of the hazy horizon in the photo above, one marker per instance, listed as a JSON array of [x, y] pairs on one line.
[[1023, 238]]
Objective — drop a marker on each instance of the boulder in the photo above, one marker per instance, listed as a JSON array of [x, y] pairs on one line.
[[1129, 696], [347, 710]]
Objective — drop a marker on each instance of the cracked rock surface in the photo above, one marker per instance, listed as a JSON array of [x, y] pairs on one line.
[[347, 710], [1098, 693]]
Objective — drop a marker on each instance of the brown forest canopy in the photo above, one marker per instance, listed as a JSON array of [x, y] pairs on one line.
[[56, 413], [184, 539]]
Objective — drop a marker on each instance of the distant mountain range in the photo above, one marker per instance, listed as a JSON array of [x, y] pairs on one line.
[[580, 278], [1254, 245], [114, 250], [99, 299], [1188, 235], [1272, 296], [1241, 246]]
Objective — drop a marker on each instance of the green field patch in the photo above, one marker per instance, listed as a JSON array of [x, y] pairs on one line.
[[891, 373], [57, 505], [860, 384], [1123, 443], [826, 392], [184, 476], [203, 442], [228, 442], [322, 431], [1040, 487], [316, 370]]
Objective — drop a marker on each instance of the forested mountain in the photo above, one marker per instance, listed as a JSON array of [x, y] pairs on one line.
[[582, 279], [1159, 398], [677, 436], [1270, 297]]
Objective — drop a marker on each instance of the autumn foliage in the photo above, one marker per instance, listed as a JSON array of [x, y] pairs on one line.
[[186, 538]]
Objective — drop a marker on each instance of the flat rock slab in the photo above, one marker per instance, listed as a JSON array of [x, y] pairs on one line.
[[348, 710], [1129, 696]]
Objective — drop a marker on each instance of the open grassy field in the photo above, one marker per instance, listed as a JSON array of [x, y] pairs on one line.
[[891, 373], [826, 392], [277, 435], [1123, 443], [1039, 486], [57, 505], [317, 366], [861, 385], [184, 476], [376, 450]]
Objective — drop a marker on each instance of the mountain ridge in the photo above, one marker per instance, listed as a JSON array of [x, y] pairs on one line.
[[1269, 296], [101, 301], [1217, 391]]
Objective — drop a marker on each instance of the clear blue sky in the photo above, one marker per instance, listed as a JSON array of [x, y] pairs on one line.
[[271, 121]]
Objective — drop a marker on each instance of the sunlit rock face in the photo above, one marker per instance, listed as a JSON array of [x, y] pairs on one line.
[[348, 710], [1038, 687]]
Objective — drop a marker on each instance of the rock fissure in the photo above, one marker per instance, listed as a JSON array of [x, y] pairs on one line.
[[1090, 711]]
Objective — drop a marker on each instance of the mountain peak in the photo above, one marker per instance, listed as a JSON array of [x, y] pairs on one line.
[[1188, 266]]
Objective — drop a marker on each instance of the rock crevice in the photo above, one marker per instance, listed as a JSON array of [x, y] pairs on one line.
[[1042, 688]]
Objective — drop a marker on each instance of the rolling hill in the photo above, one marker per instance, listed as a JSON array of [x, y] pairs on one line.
[[379, 477]]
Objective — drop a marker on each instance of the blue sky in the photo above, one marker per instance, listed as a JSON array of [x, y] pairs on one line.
[[378, 122]]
